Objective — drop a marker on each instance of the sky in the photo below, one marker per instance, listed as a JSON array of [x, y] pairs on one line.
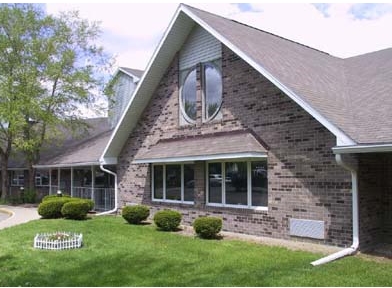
[[132, 31]]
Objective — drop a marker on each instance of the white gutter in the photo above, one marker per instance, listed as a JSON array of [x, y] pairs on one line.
[[364, 148], [69, 165], [354, 247], [114, 210]]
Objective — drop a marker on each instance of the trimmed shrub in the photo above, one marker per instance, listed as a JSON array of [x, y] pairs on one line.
[[167, 220], [76, 209], [207, 227], [135, 214], [52, 208], [54, 196]]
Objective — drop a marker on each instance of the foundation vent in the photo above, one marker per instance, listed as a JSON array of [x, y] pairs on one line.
[[307, 228]]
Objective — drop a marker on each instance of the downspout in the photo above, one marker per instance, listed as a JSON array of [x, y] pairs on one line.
[[114, 210], [354, 247]]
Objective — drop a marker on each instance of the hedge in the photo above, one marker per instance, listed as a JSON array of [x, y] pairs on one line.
[[76, 209], [167, 220], [51, 205], [52, 208], [207, 227], [135, 214]]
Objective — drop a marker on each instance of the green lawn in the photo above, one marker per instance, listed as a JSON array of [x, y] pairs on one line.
[[119, 254]]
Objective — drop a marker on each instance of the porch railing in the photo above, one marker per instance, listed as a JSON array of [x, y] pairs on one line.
[[102, 197]]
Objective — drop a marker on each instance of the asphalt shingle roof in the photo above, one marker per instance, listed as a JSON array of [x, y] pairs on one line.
[[354, 93], [204, 146], [85, 147]]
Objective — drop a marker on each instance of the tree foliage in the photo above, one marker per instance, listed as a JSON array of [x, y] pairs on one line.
[[50, 66]]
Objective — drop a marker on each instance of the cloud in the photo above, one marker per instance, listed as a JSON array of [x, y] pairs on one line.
[[370, 11], [132, 31]]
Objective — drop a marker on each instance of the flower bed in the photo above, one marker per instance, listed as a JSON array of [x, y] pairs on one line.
[[58, 241]]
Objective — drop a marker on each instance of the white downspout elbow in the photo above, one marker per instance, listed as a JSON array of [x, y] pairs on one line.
[[354, 247], [114, 210]]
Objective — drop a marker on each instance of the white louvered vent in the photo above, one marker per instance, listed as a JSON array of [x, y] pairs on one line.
[[200, 46], [307, 228]]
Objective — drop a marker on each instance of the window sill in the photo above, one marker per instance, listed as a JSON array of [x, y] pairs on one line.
[[173, 201], [255, 208]]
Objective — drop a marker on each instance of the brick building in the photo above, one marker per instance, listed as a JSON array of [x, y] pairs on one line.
[[275, 137]]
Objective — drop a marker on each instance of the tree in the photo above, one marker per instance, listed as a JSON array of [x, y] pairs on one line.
[[50, 66]]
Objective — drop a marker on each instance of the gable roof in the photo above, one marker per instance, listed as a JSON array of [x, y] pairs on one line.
[[83, 149], [135, 73], [325, 86]]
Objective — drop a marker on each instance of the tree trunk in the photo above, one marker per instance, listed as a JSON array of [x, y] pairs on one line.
[[31, 172], [4, 177]]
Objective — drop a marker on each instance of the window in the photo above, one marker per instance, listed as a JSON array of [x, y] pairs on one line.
[[173, 183], [212, 92], [243, 184], [17, 177], [188, 96], [41, 178]]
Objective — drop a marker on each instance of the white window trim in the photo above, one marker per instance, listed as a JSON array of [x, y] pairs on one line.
[[182, 79], [17, 173], [40, 180], [223, 189], [182, 201]]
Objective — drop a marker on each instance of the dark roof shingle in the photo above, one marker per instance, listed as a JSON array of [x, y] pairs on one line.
[[353, 93]]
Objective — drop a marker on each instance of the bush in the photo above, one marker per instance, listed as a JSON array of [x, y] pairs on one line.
[[207, 227], [54, 196], [76, 209], [167, 220], [29, 196], [135, 214], [52, 208]]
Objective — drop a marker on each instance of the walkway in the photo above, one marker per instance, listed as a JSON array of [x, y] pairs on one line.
[[19, 215]]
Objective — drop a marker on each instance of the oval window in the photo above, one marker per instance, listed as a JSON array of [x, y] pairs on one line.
[[188, 96], [212, 91]]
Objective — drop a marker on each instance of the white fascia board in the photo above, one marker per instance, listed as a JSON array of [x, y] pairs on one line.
[[340, 135], [369, 148], [94, 163], [140, 84], [224, 156]]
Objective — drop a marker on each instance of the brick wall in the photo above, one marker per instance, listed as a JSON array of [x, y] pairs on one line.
[[304, 180], [375, 199]]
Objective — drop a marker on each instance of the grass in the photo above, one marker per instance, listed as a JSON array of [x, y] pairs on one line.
[[118, 254]]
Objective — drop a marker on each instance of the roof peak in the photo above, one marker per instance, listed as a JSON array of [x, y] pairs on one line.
[[258, 29]]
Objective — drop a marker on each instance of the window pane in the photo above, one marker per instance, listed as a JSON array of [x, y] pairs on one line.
[[212, 90], [215, 183], [173, 182], [259, 183], [158, 182], [189, 182], [188, 95], [236, 183]]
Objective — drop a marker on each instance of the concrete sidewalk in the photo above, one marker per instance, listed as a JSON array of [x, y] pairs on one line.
[[19, 215]]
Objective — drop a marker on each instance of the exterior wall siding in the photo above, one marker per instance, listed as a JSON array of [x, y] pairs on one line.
[[200, 46], [123, 89], [304, 180]]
